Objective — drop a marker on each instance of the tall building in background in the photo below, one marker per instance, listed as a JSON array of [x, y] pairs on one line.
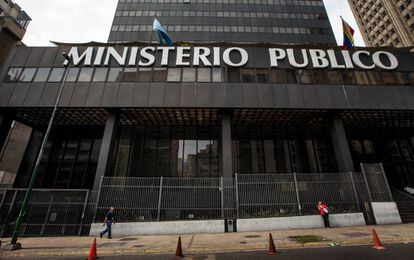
[[238, 21], [384, 22]]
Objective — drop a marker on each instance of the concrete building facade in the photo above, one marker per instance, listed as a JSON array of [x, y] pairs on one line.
[[384, 22]]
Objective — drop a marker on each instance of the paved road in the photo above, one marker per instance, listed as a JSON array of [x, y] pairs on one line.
[[394, 252]]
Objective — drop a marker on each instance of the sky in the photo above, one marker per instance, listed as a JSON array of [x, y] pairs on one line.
[[80, 21]]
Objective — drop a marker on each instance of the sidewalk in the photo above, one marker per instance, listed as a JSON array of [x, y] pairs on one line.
[[207, 243]]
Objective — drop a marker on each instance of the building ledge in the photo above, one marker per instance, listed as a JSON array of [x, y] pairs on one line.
[[10, 24]]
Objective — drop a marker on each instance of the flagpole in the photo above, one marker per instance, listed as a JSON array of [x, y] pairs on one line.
[[152, 30]]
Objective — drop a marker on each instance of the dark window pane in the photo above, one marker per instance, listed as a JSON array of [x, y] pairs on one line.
[[27, 75], [174, 75], [248, 75], [233, 75], [13, 74], [401, 78], [348, 77], [389, 78], [160, 74], [114, 75], [218, 75], [361, 78], [203, 75], [41, 75], [129, 75], [144, 75], [277, 76], [189, 74], [411, 77], [100, 74], [85, 75], [56, 75], [73, 74], [375, 78], [305, 76], [334, 77], [321, 77], [291, 77], [262, 75]]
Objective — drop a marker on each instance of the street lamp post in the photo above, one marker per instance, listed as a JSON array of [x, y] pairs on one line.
[[14, 244]]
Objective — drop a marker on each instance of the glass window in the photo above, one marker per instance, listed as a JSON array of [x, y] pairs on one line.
[[321, 77], [203, 75], [233, 75], [348, 77], [100, 74], [129, 75], [41, 75], [263, 76], [375, 78], [145, 74], [174, 75], [85, 75], [56, 75], [114, 75], [27, 75], [13, 74], [389, 78], [305, 76], [277, 76], [160, 74], [334, 77], [411, 77], [218, 74], [73, 74], [361, 77], [189, 74], [401, 78], [291, 77], [248, 75]]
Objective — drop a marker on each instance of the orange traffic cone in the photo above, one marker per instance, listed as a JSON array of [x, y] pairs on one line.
[[92, 251], [377, 242], [179, 250], [272, 248]]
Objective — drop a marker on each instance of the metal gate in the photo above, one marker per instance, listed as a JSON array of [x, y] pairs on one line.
[[50, 212], [378, 186]]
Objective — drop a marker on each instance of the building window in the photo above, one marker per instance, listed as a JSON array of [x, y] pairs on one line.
[[305, 76], [13, 74], [174, 75], [73, 74], [189, 74], [144, 74], [114, 75], [348, 77], [56, 75], [27, 75], [248, 75], [203, 75], [85, 75], [100, 75], [218, 74], [361, 77], [291, 77], [263, 76], [41, 75], [160, 74], [277, 76], [375, 78], [129, 75], [233, 75]]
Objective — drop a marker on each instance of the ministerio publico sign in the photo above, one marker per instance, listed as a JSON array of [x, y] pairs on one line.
[[232, 56]]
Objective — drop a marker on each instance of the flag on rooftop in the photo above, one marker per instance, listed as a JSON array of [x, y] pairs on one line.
[[348, 35], [162, 33]]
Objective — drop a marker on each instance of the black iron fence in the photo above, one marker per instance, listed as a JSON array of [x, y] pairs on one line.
[[71, 212]]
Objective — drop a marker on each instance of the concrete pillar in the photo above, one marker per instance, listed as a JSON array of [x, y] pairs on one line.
[[107, 147], [5, 125], [341, 146], [226, 147]]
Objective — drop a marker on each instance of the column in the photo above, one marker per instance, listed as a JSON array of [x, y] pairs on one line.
[[226, 147], [5, 125], [107, 147], [341, 146]]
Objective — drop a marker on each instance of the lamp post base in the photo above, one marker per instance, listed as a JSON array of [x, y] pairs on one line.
[[11, 247]]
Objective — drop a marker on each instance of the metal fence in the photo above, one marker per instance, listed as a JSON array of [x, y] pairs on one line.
[[50, 212]]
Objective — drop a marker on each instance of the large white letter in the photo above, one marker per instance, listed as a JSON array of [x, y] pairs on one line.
[[216, 52], [86, 55], [334, 60], [243, 54], [165, 54], [111, 52], [281, 54], [201, 53], [181, 55], [99, 56], [148, 56], [357, 59], [292, 60], [318, 59], [133, 56], [377, 60], [347, 59]]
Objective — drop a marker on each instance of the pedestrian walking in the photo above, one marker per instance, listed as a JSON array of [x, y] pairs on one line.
[[324, 211], [109, 220]]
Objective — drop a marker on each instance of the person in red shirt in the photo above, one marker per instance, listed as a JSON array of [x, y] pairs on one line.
[[324, 211]]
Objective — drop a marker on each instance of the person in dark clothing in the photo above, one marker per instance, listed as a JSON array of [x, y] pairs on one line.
[[324, 211], [109, 220]]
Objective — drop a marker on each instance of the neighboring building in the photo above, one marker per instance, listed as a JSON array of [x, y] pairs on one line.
[[384, 22], [238, 21], [166, 132]]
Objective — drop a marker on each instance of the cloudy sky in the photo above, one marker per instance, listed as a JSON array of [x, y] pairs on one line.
[[90, 20]]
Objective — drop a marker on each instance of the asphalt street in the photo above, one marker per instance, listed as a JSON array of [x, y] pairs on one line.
[[392, 251]]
